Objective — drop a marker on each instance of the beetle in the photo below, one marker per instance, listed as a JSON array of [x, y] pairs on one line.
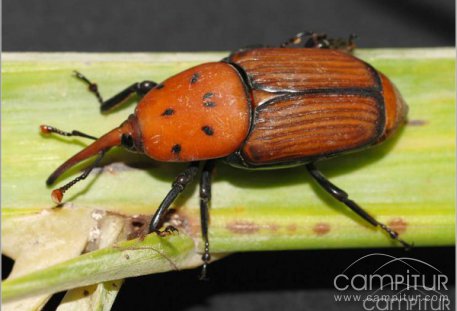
[[258, 108]]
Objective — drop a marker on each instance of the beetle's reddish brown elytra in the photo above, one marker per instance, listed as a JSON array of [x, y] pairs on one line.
[[258, 108]]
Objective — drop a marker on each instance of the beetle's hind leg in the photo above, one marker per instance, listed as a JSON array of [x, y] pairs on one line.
[[140, 88], [343, 45], [343, 197], [321, 41], [205, 197], [297, 39]]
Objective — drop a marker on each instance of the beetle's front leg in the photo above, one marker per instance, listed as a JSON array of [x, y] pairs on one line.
[[178, 186], [141, 88], [343, 197], [205, 197]]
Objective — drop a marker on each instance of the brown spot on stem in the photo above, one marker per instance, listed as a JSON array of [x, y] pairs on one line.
[[86, 292], [417, 122], [292, 228], [186, 222], [398, 224], [243, 227], [137, 223], [273, 227], [138, 226], [321, 228]]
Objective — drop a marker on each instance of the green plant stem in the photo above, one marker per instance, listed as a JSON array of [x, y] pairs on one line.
[[408, 182]]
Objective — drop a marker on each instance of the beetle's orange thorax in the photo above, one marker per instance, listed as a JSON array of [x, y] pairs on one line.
[[201, 113]]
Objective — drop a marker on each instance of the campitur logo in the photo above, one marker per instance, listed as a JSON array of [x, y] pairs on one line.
[[384, 282]]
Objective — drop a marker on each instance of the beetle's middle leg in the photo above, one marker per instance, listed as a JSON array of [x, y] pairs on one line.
[[343, 197], [322, 41], [141, 88], [205, 197], [178, 186]]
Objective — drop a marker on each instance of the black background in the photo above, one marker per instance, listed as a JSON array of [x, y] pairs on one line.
[[222, 25], [294, 280]]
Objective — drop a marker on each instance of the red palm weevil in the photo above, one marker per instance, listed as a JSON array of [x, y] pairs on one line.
[[263, 107]]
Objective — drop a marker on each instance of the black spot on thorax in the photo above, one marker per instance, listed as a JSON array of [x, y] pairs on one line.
[[168, 112], [176, 149], [208, 95], [209, 104], [208, 130], [206, 100], [194, 78], [160, 86]]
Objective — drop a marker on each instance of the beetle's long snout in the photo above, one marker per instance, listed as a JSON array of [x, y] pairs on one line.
[[110, 139], [100, 146], [127, 131]]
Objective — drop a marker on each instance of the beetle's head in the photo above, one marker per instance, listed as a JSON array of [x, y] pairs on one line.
[[127, 135]]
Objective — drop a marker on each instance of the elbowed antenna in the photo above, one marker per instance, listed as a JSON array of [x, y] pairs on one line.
[[110, 139], [99, 147], [57, 194]]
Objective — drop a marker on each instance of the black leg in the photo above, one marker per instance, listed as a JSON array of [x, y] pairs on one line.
[[297, 39], [57, 194], [343, 45], [47, 129], [180, 183], [205, 197], [321, 41], [141, 88], [343, 197]]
